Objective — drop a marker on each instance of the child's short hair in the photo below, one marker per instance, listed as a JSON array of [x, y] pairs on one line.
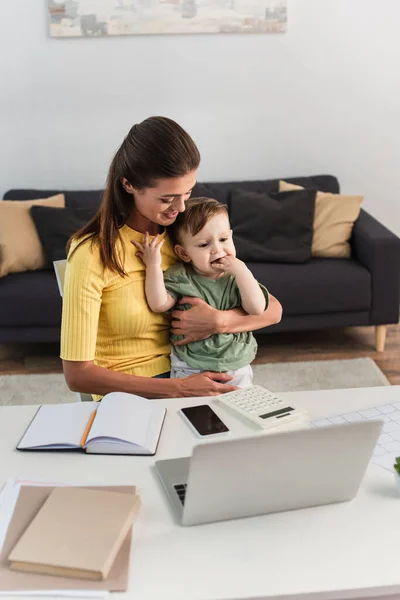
[[198, 211]]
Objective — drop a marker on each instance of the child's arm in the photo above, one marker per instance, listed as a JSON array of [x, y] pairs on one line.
[[157, 296], [253, 299]]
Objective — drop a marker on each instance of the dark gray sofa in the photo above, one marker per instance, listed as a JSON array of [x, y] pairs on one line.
[[321, 293]]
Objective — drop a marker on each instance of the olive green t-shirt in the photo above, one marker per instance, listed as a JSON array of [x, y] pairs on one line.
[[220, 352]]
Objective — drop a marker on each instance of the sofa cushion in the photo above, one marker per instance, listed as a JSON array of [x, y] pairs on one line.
[[218, 190], [73, 199], [322, 285], [20, 247], [273, 227], [55, 227], [335, 215], [30, 299], [222, 191]]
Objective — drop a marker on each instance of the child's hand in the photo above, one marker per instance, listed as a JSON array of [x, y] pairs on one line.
[[149, 252], [230, 264]]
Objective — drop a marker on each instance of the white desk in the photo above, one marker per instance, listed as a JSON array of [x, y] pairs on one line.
[[312, 553]]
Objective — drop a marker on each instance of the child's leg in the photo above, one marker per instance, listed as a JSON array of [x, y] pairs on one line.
[[242, 377], [180, 369]]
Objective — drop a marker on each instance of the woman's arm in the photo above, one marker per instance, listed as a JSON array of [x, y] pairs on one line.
[[201, 321], [86, 377]]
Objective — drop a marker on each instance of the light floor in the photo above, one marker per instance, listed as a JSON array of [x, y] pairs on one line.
[[354, 342]]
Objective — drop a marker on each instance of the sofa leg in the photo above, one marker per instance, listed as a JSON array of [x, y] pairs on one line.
[[380, 337]]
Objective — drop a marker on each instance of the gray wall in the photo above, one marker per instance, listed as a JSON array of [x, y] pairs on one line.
[[323, 98]]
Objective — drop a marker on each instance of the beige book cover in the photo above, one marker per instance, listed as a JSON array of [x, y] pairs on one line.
[[30, 500], [76, 533]]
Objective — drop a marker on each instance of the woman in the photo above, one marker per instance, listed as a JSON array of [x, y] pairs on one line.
[[110, 340]]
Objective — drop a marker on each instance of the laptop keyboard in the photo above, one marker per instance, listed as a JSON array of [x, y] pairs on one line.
[[388, 445], [181, 491]]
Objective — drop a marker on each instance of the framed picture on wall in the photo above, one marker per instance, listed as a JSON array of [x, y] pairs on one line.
[[93, 18]]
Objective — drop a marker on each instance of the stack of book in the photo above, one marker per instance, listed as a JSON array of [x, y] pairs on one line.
[[69, 538]]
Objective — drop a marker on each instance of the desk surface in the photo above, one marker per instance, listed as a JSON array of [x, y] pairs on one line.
[[322, 550]]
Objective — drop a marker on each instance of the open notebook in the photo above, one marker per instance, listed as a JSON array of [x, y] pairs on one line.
[[120, 424]]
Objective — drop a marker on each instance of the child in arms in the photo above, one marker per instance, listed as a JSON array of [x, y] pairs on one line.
[[209, 269]]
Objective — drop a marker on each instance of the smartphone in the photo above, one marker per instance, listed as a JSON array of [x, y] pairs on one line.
[[203, 420]]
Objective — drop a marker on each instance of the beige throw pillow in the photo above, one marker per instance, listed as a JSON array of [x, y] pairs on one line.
[[20, 247], [334, 218]]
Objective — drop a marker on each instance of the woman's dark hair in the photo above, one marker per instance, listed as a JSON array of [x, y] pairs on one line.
[[158, 148]]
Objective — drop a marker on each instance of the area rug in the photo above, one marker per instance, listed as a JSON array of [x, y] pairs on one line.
[[277, 377], [319, 375]]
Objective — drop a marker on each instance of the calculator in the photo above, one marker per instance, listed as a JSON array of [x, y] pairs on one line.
[[262, 407]]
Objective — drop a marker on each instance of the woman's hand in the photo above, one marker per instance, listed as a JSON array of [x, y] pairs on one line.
[[201, 321], [149, 252], [204, 384], [196, 323], [86, 377]]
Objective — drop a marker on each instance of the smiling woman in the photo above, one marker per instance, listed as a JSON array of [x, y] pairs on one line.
[[110, 338], [160, 205]]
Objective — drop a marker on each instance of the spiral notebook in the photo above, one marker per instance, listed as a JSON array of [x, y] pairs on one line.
[[120, 424]]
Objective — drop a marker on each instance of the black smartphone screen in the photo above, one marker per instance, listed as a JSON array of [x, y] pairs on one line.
[[204, 419]]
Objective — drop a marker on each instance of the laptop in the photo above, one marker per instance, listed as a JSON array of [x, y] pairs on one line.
[[250, 476]]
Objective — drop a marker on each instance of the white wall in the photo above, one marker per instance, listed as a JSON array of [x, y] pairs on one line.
[[323, 98]]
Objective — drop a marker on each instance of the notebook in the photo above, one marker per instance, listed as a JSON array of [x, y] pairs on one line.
[[29, 502], [120, 424], [77, 533]]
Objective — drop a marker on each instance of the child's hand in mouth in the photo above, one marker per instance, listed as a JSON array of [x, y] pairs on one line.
[[217, 261], [229, 264], [222, 263]]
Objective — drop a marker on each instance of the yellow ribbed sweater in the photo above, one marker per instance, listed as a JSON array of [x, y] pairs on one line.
[[105, 316]]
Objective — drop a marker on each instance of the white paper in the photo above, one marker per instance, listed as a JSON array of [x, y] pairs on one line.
[[9, 498], [56, 424], [56, 594], [124, 417], [387, 448]]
